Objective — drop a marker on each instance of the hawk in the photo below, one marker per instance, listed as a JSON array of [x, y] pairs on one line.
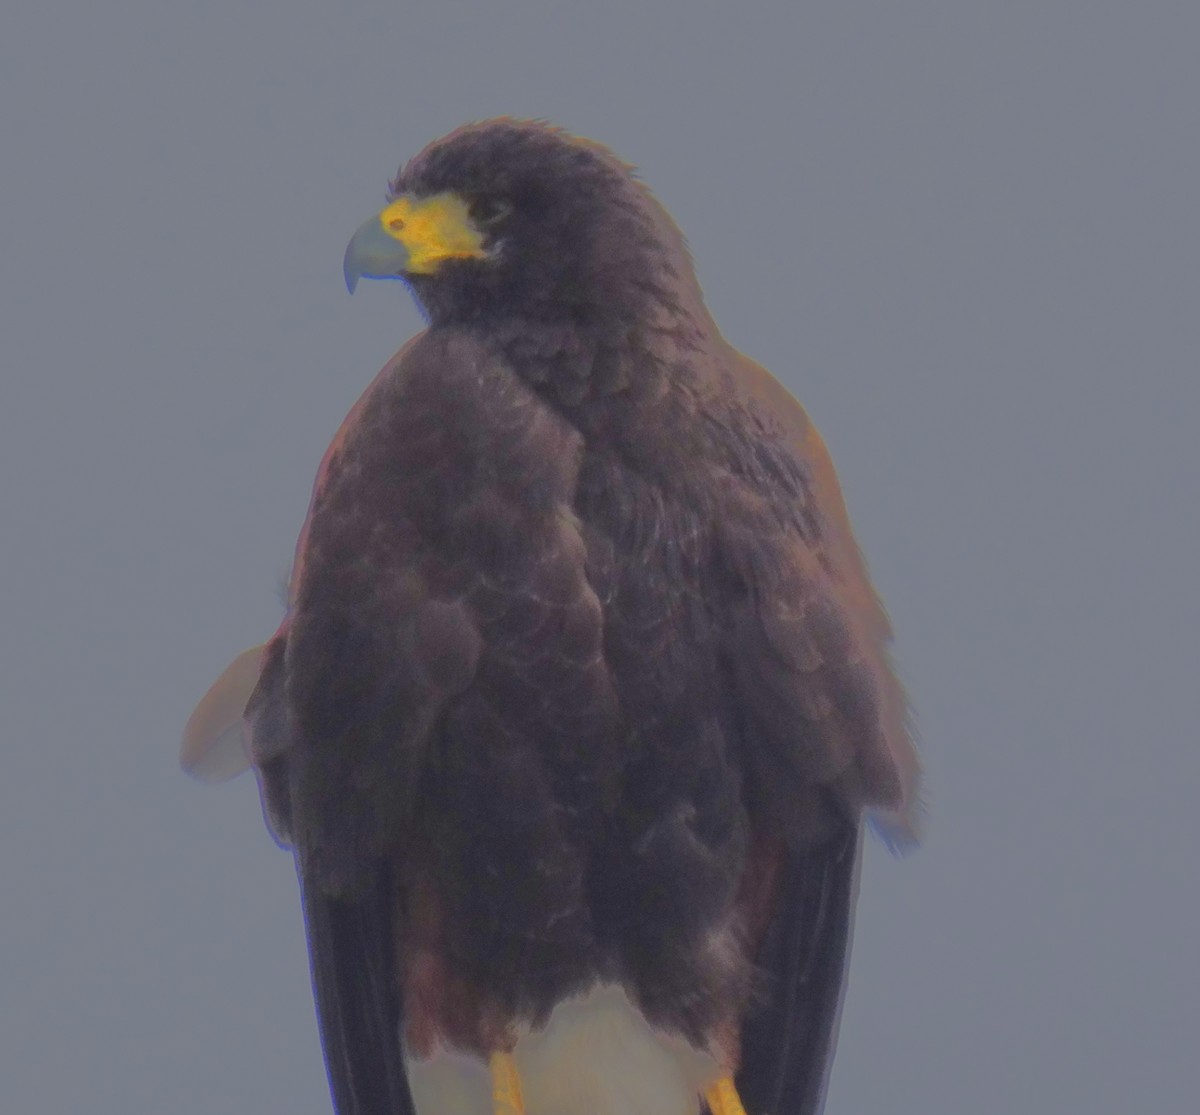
[[582, 694]]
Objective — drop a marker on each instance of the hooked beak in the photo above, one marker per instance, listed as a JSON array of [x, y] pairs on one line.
[[412, 236]]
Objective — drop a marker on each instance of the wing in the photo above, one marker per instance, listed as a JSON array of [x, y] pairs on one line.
[[788, 1042], [242, 721], [352, 954], [438, 563], [826, 736], [811, 642]]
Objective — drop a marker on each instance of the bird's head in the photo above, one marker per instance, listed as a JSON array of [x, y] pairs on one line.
[[509, 217]]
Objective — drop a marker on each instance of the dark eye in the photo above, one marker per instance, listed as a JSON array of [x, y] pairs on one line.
[[488, 211]]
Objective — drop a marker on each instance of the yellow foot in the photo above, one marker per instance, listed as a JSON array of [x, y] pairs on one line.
[[722, 1098], [506, 1086]]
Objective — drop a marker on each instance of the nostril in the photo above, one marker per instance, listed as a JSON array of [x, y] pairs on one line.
[[395, 224]]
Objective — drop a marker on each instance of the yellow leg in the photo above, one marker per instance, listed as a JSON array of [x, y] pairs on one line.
[[506, 1086], [722, 1098]]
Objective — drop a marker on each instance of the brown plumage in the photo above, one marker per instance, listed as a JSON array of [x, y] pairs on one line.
[[582, 678]]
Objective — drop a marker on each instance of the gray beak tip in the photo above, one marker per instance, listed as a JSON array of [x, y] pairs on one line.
[[373, 254]]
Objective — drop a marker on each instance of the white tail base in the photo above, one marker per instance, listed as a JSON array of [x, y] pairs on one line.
[[596, 1056]]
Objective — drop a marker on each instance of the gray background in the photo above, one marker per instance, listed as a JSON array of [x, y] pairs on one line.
[[964, 233]]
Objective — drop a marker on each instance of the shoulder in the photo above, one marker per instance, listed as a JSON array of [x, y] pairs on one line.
[[781, 417]]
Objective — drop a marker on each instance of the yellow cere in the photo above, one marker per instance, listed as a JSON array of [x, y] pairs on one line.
[[432, 229]]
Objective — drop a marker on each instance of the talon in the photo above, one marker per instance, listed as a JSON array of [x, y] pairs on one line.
[[506, 1085], [722, 1098]]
